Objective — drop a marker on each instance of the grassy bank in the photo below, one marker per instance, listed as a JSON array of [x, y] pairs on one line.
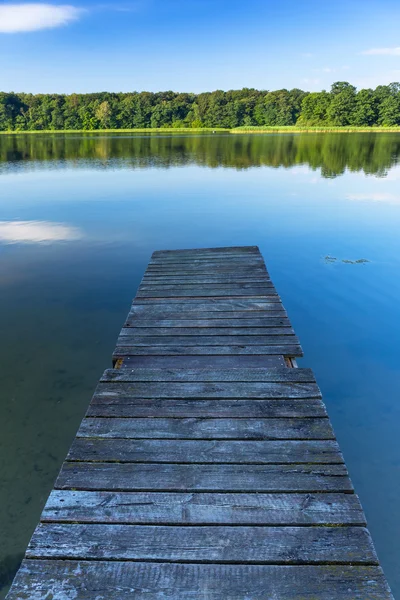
[[300, 129], [236, 130], [146, 130]]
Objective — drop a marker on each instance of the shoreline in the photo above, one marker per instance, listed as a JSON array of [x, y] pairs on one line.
[[235, 130]]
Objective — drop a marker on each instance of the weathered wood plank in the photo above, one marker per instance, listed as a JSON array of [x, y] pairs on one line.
[[229, 308], [184, 451], [209, 331], [208, 428], [268, 322], [153, 315], [132, 338], [271, 375], [173, 279], [207, 270], [219, 389], [203, 361], [204, 478], [111, 406], [185, 350], [216, 260], [224, 250], [195, 288], [206, 291], [210, 304], [193, 256], [203, 509], [115, 580], [245, 544]]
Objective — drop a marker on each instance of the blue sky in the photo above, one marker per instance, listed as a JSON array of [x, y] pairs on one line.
[[197, 45]]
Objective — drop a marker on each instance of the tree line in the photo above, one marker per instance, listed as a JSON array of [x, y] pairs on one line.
[[343, 105]]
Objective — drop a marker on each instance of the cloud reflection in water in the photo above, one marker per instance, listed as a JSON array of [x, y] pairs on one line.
[[37, 232]]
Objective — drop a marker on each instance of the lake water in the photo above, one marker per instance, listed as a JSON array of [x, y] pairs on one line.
[[79, 218]]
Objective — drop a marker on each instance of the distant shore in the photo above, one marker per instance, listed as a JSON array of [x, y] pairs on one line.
[[236, 130]]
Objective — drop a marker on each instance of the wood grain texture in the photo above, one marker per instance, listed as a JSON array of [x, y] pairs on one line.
[[207, 428], [204, 292], [202, 509], [184, 350], [104, 405], [204, 361], [136, 339], [208, 304], [152, 332], [268, 321], [174, 279], [204, 478], [200, 286], [204, 451], [200, 309], [118, 580], [208, 389], [216, 376], [207, 544]]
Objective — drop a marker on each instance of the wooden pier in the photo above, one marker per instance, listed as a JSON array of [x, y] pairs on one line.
[[206, 467]]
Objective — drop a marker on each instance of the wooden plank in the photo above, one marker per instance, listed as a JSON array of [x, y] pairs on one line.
[[116, 580], [208, 428], [269, 322], [189, 451], [225, 308], [226, 288], [245, 544], [152, 279], [272, 375], [204, 361], [219, 389], [207, 270], [209, 304], [209, 331], [220, 255], [224, 250], [217, 257], [177, 350], [122, 406], [203, 509], [131, 338], [153, 314], [210, 264], [206, 291], [204, 478]]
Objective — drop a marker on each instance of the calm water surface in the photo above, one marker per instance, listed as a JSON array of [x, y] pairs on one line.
[[79, 218]]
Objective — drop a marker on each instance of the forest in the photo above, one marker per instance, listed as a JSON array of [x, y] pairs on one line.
[[342, 106]]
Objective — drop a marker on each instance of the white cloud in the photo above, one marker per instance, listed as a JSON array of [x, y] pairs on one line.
[[383, 51], [375, 197], [15, 18], [14, 232]]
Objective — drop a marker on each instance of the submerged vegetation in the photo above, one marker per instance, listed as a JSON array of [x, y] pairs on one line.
[[342, 106]]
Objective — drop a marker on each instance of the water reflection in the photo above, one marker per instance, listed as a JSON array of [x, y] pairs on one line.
[[16, 232], [332, 154]]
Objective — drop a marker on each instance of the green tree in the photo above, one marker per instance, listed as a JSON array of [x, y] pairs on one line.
[[314, 109], [103, 114], [342, 106]]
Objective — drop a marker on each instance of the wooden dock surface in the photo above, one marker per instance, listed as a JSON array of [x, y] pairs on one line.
[[206, 467]]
